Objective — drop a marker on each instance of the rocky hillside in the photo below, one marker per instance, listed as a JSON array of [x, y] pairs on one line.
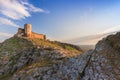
[[18, 54], [45, 60]]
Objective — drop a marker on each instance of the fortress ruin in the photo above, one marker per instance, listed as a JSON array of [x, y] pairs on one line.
[[27, 32]]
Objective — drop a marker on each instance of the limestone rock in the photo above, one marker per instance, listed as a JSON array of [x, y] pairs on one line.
[[49, 63]]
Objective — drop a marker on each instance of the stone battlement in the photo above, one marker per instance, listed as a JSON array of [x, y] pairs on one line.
[[27, 32]]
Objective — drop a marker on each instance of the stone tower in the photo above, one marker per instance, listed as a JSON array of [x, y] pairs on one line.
[[27, 33], [28, 30]]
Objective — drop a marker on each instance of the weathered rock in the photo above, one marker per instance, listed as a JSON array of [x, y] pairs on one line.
[[54, 64]]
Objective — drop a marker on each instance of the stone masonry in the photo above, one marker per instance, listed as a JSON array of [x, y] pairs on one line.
[[27, 32]]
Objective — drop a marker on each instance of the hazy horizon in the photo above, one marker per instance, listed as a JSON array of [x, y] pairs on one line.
[[81, 21]]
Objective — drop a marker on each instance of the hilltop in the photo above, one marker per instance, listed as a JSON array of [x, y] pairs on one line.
[[18, 54], [17, 44], [36, 59]]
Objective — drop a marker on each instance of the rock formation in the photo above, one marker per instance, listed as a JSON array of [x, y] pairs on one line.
[[50, 62]]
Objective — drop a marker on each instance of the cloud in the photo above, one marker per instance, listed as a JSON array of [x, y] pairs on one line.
[[4, 21], [6, 34], [112, 29], [31, 8], [93, 39], [17, 9], [89, 39]]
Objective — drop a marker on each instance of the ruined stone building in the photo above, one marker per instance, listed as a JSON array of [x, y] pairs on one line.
[[27, 32]]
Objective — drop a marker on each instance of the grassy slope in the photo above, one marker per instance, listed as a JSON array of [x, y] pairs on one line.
[[57, 45], [14, 45]]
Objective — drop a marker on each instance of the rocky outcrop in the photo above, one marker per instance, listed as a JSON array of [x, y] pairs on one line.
[[45, 63]]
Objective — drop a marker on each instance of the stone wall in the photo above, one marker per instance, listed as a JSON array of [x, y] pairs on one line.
[[27, 32], [36, 35]]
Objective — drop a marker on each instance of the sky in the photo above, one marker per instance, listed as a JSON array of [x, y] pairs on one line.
[[60, 20]]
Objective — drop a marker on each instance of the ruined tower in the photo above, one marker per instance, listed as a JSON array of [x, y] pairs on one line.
[[28, 30]]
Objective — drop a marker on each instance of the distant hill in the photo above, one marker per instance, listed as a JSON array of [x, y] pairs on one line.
[[86, 47]]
